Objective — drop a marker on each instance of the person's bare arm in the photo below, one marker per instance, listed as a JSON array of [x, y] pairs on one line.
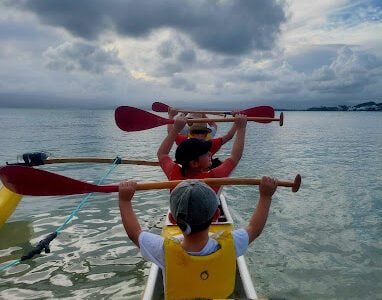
[[257, 222], [166, 145], [129, 219], [238, 146], [171, 115], [212, 124], [229, 135]]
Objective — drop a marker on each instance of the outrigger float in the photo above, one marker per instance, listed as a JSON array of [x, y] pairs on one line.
[[8, 203]]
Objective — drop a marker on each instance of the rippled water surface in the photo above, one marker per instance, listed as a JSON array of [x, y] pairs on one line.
[[323, 242]]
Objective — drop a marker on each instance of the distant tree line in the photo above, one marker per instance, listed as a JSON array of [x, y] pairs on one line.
[[366, 106]]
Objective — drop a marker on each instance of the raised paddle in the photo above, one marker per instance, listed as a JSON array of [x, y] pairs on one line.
[[134, 119], [257, 111], [34, 182]]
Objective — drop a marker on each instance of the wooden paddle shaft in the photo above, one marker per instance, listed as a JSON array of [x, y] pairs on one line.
[[295, 185], [35, 182], [98, 160], [210, 112], [207, 120]]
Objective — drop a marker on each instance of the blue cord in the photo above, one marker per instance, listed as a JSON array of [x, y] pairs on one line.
[[11, 264], [58, 230], [116, 161]]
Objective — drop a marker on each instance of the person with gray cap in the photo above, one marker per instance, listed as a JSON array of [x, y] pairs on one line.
[[193, 207], [193, 156]]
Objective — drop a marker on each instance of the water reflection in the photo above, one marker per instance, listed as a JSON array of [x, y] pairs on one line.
[[14, 238]]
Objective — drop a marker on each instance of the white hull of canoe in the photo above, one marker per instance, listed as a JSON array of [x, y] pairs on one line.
[[244, 287]]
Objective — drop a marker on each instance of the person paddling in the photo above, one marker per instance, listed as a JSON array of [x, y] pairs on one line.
[[193, 156], [201, 131], [193, 207], [212, 126]]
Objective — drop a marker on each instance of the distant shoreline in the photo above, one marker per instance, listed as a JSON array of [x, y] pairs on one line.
[[366, 106], [323, 110]]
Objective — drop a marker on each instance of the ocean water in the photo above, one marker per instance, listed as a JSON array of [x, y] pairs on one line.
[[323, 242]]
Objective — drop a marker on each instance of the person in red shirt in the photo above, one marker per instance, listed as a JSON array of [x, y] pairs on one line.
[[202, 131], [172, 112], [193, 156]]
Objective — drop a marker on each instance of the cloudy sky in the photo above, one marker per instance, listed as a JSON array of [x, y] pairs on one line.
[[290, 54]]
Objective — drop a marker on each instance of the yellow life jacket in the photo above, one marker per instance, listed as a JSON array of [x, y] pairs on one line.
[[189, 276]]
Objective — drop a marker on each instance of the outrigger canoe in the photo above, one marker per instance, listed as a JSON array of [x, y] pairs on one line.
[[244, 288]]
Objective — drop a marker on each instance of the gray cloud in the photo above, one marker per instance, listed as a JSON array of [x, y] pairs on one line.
[[177, 55], [80, 57], [187, 56], [227, 62], [168, 69], [348, 75], [311, 58], [166, 49], [350, 72], [228, 27], [255, 76], [174, 64], [181, 83]]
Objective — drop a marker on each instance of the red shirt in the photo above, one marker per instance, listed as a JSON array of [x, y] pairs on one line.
[[174, 172], [216, 143]]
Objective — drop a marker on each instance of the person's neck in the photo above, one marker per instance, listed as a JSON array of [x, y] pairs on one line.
[[195, 242]]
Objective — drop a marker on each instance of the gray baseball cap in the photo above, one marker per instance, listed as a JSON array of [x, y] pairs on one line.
[[193, 204]]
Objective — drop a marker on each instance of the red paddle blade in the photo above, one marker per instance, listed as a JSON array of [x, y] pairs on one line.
[[159, 107], [34, 182], [260, 111], [134, 119]]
